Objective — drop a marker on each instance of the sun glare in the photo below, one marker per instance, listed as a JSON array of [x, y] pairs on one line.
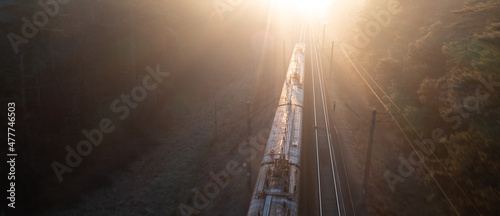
[[308, 7]]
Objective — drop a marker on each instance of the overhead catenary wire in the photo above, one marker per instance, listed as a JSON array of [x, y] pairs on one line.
[[416, 132], [324, 98], [311, 39], [399, 126]]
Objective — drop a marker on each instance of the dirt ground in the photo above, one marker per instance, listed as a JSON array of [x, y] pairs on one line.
[[168, 176]]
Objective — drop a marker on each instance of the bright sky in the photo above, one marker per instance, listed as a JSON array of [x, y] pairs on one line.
[[309, 7]]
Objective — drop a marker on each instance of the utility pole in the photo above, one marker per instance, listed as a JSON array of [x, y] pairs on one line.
[[248, 119], [368, 157], [323, 42], [215, 119], [331, 61], [284, 61], [247, 163], [318, 29]]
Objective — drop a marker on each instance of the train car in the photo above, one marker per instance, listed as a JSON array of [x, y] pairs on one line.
[[276, 191]]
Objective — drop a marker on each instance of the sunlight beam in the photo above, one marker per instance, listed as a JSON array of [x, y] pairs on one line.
[[318, 8]]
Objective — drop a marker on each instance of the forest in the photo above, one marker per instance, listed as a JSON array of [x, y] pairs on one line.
[[438, 62], [65, 63]]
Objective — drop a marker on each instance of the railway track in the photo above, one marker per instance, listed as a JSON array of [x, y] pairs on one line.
[[328, 189], [277, 190], [334, 192]]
